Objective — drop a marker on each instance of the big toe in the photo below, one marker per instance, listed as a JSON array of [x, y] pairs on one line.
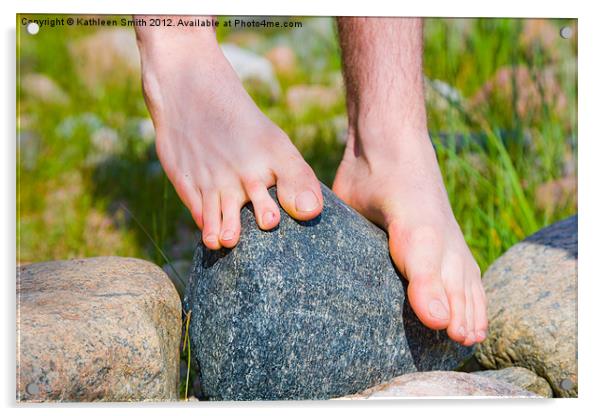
[[428, 300], [299, 191], [417, 253]]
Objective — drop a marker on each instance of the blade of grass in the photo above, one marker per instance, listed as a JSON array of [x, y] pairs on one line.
[[161, 253]]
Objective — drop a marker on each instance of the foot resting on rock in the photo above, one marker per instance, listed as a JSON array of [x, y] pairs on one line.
[[217, 148], [390, 174]]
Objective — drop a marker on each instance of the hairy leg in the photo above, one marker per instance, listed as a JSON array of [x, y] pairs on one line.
[[217, 148], [390, 174]]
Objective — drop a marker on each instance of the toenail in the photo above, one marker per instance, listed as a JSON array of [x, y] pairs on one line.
[[437, 310], [228, 235], [462, 331], [211, 238], [267, 218], [306, 201], [482, 335]]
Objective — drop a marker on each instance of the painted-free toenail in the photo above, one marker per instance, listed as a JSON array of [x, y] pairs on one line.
[[211, 238], [267, 218], [228, 235], [437, 310], [306, 201]]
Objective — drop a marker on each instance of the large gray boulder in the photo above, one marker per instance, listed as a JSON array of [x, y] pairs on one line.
[[310, 310], [97, 329], [532, 292]]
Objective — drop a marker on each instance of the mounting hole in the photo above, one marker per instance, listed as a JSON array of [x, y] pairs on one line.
[[33, 28], [566, 32], [566, 384], [32, 388]]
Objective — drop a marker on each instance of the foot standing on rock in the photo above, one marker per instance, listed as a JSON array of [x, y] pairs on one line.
[[220, 152]]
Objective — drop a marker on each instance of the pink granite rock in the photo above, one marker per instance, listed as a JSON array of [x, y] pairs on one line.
[[532, 293], [440, 383], [105, 328]]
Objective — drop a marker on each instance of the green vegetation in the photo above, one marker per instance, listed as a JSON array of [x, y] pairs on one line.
[[501, 95]]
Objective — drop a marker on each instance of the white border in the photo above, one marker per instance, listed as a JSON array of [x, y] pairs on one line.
[[590, 209]]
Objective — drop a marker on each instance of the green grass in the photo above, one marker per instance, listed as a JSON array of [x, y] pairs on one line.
[[493, 199]]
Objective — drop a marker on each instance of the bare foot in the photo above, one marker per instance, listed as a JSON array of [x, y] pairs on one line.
[[217, 148], [390, 174], [401, 190]]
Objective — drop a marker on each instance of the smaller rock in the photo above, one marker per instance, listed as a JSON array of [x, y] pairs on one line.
[[532, 310], [341, 126], [146, 130], [517, 84], [70, 125], [304, 98], [442, 93], [283, 59], [520, 377], [105, 140], [254, 70], [107, 56], [106, 144], [440, 383], [556, 193], [43, 88], [97, 329]]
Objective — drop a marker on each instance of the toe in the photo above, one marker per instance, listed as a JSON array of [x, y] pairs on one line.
[[470, 328], [418, 255], [480, 310], [428, 300], [457, 329], [267, 213], [299, 190], [230, 227], [453, 281], [191, 197], [211, 219]]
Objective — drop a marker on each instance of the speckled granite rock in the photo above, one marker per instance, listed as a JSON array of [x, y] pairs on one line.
[[520, 377], [105, 328], [440, 383], [311, 310], [532, 291]]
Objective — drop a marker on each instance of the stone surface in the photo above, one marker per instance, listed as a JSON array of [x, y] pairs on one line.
[[532, 292], [440, 383], [520, 377], [310, 310], [105, 328]]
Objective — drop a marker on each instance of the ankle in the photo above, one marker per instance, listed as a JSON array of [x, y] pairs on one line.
[[386, 142], [170, 48]]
